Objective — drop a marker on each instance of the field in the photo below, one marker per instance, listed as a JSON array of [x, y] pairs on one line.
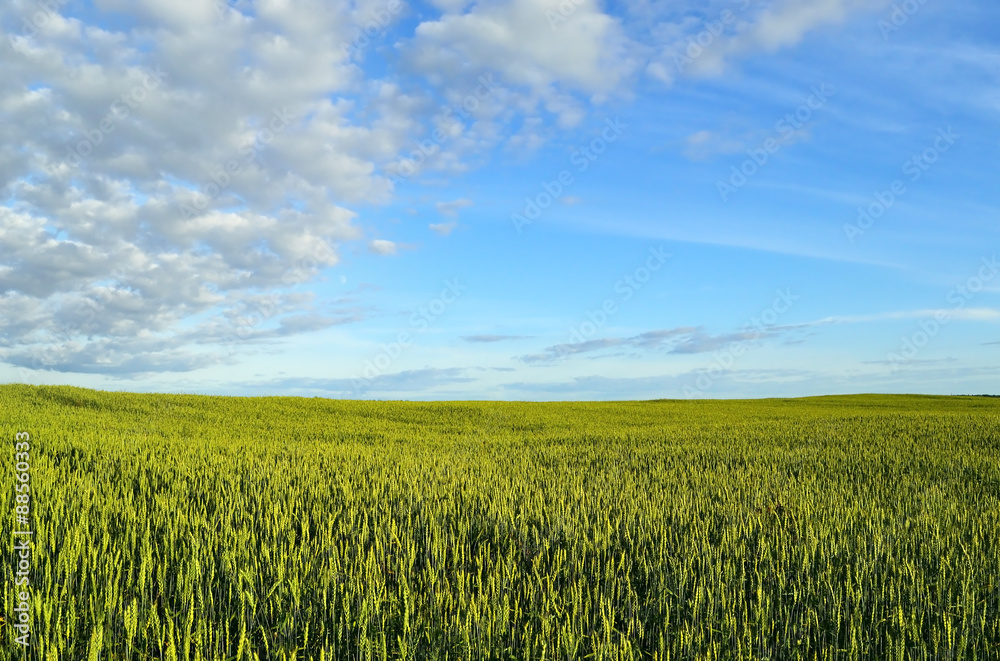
[[183, 527]]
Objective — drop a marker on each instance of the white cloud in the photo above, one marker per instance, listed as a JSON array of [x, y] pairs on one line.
[[452, 208], [444, 229], [122, 223], [180, 14], [383, 247], [776, 25], [516, 39], [786, 23], [544, 65]]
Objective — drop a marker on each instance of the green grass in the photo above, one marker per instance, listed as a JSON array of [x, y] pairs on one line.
[[186, 527]]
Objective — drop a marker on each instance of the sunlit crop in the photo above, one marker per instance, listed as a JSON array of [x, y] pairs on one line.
[[185, 527]]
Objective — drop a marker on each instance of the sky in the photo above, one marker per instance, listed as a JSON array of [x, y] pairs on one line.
[[501, 199]]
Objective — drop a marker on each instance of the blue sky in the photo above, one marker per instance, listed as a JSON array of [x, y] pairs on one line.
[[501, 200]]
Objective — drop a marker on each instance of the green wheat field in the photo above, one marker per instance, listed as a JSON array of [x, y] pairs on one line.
[[190, 527]]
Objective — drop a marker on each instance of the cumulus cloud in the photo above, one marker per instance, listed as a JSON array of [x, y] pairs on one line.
[[546, 71], [516, 39], [174, 168]]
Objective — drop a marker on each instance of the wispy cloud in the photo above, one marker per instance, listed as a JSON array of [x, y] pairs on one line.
[[452, 208], [964, 314], [913, 362], [383, 247], [443, 229], [948, 378], [703, 145], [694, 340], [416, 381], [780, 25], [680, 340], [493, 338]]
